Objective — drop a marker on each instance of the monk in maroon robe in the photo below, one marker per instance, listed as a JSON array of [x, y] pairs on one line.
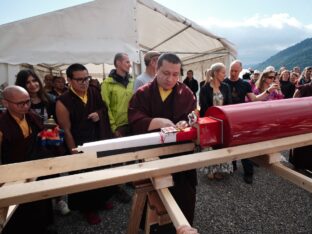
[[18, 132], [84, 117], [165, 102]]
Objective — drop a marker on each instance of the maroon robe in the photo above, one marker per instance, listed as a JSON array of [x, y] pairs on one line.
[[85, 130], [147, 104], [33, 217]]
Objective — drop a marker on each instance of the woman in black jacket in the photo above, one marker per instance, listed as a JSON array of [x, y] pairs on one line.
[[215, 93]]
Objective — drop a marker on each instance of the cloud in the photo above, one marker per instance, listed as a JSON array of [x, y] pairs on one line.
[[277, 21], [259, 37]]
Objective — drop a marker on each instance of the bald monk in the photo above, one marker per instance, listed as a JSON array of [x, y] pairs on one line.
[[18, 132]]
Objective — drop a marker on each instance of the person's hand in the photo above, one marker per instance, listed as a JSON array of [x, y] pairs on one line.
[[94, 116], [273, 87], [158, 123], [182, 124], [165, 123], [74, 151], [186, 230], [117, 134]]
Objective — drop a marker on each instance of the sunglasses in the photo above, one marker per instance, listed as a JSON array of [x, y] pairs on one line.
[[82, 80], [20, 104], [270, 77]]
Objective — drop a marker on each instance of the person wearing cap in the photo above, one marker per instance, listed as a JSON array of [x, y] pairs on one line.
[[150, 60]]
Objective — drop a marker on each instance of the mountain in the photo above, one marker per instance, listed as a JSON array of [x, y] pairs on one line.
[[299, 54]]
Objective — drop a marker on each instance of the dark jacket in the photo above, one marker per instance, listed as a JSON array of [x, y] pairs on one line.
[[206, 97]]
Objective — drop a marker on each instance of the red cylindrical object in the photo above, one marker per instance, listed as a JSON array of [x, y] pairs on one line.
[[260, 121]]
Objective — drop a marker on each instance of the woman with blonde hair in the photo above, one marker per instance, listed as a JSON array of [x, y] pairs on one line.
[[269, 83], [215, 93]]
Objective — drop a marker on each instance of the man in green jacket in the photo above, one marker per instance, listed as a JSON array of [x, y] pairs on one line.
[[117, 90]]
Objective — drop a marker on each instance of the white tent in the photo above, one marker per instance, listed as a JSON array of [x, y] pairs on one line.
[[95, 31]]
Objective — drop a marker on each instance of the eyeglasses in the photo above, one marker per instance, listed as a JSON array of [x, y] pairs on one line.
[[20, 104], [82, 80]]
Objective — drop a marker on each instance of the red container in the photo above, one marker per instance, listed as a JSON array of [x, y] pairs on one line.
[[260, 121]]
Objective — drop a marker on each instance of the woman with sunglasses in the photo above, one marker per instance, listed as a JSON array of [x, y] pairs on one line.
[[268, 83]]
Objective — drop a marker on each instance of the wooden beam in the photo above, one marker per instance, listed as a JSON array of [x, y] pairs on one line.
[[295, 177], [138, 203], [160, 182], [50, 166], [174, 211], [268, 158], [7, 212], [272, 163], [43, 189]]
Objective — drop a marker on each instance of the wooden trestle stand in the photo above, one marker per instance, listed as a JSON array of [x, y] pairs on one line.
[[16, 193]]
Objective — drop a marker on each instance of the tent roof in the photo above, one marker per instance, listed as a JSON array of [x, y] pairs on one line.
[[94, 32]]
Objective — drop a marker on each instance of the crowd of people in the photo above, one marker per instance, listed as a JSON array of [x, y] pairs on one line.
[[121, 106]]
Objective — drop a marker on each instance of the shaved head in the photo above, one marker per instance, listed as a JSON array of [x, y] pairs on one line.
[[10, 92], [16, 100], [235, 68]]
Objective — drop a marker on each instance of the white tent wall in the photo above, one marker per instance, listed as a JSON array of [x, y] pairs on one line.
[[86, 33], [203, 62], [161, 29], [95, 31], [8, 73]]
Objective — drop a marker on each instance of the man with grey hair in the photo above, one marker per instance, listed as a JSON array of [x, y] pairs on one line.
[[150, 60], [241, 89]]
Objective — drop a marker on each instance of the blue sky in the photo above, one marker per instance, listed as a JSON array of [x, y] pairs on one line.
[[258, 28]]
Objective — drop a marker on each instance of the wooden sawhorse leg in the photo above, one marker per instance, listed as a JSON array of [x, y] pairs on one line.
[[138, 202]]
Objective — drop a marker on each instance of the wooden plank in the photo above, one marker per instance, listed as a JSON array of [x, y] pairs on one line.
[[138, 203], [43, 189], [295, 177], [50, 166], [7, 212], [268, 158], [3, 217], [272, 162], [160, 182], [174, 211]]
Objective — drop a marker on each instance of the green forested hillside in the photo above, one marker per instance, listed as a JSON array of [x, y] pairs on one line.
[[297, 55]]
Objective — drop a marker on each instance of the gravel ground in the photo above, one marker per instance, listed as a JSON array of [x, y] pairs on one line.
[[269, 205]]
